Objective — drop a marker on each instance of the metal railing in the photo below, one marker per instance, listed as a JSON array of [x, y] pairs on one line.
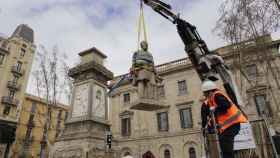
[[172, 64], [17, 70], [13, 85], [9, 100]]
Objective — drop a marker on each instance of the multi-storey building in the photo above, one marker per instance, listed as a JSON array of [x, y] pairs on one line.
[[175, 131], [16, 56], [31, 126]]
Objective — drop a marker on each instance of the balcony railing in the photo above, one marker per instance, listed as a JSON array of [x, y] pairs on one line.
[[3, 51], [18, 71], [9, 100], [171, 65], [13, 85]]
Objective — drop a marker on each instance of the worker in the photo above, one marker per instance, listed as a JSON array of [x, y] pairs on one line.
[[227, 116], [143, 72]]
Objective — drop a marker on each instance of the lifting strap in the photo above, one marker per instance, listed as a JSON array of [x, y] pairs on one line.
[[141, 25]]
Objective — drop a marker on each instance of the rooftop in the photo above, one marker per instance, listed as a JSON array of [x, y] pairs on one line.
[[25, 32]]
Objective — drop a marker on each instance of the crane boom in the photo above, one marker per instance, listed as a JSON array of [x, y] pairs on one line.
[[208, 65]]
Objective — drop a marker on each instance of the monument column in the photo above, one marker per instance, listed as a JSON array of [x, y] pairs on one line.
[[85, 129]]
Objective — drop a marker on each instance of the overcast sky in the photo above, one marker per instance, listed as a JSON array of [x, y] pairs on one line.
[[109, 25]]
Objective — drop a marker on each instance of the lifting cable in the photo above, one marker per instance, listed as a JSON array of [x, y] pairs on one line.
[[141, 26]]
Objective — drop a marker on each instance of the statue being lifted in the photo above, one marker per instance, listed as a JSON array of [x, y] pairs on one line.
[[143, 72]]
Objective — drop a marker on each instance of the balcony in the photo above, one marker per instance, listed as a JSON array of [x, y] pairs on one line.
[[13, 85], [17, 71], [3, 51], [9, 101]]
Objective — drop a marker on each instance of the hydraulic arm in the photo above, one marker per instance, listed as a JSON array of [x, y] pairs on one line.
[[208, 65]]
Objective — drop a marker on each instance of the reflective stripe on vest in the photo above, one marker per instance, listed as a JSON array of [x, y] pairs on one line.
[[231, 119], [232, 116]]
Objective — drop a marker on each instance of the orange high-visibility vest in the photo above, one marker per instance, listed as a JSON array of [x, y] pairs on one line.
[[232, 116]]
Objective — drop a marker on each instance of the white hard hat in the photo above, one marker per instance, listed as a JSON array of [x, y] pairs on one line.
[[208, 85]]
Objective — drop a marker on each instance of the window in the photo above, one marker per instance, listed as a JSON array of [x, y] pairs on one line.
[[31, 118], [22, 52], [33, 108], [125, 125], [30, 126], [167, 154], [58, 123], [251, 71], [126, 97], [66, 115], [18, 65], [161, 92], [162, 121], [182, 87], [28, 135], [2, 56], [59, 114], [186, 118], [6, 110], [262, 106], [11, 94], [192, 153]]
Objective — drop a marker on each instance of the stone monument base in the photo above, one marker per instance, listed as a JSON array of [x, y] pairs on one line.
[[148, 104], [83, 139]]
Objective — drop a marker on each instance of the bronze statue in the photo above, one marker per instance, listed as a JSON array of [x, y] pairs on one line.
[[144, 73]]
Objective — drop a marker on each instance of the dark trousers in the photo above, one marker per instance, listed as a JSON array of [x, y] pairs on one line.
[[227, 140]]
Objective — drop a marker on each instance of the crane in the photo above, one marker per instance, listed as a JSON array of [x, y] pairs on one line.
[[208, 65]]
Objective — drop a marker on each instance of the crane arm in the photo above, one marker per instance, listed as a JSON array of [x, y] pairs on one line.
[[208, 65]]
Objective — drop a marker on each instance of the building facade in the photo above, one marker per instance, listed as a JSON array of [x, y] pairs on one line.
[[31, 123], [175, 131], [16, 56]]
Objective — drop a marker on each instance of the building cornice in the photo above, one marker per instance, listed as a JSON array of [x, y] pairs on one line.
[[93, 49], [44, 101], [91, 66]]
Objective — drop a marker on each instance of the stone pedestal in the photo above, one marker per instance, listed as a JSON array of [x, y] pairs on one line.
[[148, 104], [82, 139], [149, 100]]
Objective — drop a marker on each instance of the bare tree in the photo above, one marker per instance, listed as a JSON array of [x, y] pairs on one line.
[[247, 19], [243, 20], [52, 83]]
